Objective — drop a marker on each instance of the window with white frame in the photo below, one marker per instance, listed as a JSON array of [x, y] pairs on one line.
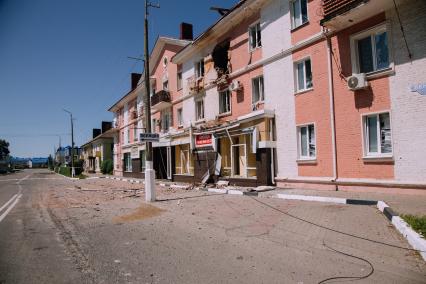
[[153, 125], [179, 117], [166, 120], [128, 135], [370, 50], [255, 36], [257, 90], [224, 102], [377, 134], [199, 68], [299, 12], [179, 80], [135, 132], [303, 72], [142, 159], [199, 109], [127, 162], [307, 144]]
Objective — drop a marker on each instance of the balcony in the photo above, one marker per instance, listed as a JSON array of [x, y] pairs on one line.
[[161, 100], [340, 14]]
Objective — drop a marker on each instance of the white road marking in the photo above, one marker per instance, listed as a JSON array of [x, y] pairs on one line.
[[7, 203], [16, 179], [15, 199], [10, 208]]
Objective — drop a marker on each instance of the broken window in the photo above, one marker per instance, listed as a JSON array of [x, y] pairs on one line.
[[255, 36], [220, 58], [199, 68]]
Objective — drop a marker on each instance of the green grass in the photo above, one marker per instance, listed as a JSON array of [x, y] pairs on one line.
[[418, 223]]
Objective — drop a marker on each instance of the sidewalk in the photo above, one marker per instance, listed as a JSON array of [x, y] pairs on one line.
[[401, 203]]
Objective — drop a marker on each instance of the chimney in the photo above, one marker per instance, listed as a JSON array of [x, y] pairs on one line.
[[135, 79], [96, 132], [186, 31], [106, 125]]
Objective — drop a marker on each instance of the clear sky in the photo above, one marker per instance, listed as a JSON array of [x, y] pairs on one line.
[[57, 54]]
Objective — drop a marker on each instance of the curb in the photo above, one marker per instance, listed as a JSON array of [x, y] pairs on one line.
[[413, 238]]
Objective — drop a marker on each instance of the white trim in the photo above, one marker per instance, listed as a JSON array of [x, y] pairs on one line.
[[364, 129], [292, 16], [296, 75], [261, 100], [301, 158]]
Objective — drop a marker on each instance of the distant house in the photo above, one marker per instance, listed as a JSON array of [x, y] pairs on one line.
[[99, 149], [63, 155]]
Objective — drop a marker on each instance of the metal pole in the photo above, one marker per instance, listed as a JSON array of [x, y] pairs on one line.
[[72, 143], [149, 169]]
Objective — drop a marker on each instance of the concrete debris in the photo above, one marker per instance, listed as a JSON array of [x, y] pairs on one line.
[[222, 183], [264, 188], [181, 186]]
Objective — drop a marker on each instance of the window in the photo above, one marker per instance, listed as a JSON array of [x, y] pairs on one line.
[[199, 69], [377, 134], [257, 90], [127, 162], [179, 117], [153, 89], [128, 135], [299, 13], [303, 76], [135, 132], [255, 36], [224, 102], [142, 159], [166, 120], [307, 147], [370, 51], [179, 80], [166, 85], [199, 109]]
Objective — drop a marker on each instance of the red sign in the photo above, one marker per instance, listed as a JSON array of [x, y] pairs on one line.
[[203, 140]]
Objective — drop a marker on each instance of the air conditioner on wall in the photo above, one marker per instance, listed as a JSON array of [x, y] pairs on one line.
[[357, 82], [235, 85]]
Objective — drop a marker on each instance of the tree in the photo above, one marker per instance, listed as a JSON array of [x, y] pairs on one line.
[[4, 149]]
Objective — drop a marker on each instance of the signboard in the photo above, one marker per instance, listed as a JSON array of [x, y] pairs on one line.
[[149, 137], [203, 140], [134, 153]]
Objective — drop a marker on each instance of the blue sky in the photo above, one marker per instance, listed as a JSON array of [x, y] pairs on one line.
[[57, 54]]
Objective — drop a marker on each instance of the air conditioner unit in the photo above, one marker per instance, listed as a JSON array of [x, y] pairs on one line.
[[235, 85], [357, 82]]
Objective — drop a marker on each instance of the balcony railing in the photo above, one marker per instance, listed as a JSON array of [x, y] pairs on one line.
[[161, 100], [333, 8]]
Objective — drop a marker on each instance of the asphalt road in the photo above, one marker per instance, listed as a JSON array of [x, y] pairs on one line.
[[97, 231]]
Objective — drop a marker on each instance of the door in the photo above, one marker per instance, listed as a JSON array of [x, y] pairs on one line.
[[239, 160]]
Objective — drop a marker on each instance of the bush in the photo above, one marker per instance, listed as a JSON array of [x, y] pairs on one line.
[[107, 167], [66, 171]]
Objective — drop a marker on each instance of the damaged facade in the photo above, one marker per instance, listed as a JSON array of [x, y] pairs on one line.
[[265, 96]]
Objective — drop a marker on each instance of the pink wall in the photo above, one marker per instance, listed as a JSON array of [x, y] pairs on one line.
[[351, 105]]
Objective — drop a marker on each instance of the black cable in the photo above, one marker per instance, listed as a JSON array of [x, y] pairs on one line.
[[402, 30], [348, 277], [331, 229]]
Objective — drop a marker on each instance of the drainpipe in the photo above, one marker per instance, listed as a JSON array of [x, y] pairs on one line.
[[332, 114]]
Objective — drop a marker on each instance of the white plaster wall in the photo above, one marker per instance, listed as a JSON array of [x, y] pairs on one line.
[[279, 83], [188, 108], [409, 108], [211, 104]]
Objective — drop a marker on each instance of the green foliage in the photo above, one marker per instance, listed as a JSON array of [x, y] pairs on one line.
[[66, 171], [418, 223], [4, 149], [107, 167]]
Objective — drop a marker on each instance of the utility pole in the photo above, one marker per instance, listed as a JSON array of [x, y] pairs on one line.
[[149, 165], [72, 144]]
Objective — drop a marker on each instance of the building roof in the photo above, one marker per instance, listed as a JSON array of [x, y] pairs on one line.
[[218, 27], [160, 42], [109, 134]]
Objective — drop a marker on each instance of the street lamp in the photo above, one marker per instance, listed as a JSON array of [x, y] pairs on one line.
[[72, 143]]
